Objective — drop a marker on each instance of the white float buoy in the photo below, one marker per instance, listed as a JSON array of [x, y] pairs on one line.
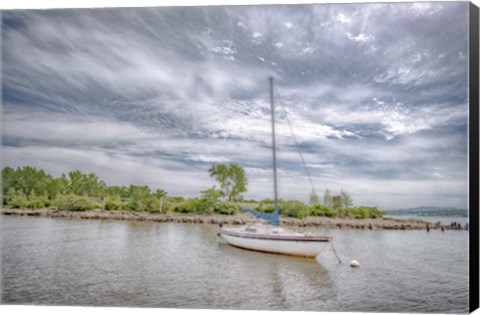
[[354, 264]]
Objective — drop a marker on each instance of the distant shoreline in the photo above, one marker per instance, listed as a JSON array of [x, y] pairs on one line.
[[321, 222]]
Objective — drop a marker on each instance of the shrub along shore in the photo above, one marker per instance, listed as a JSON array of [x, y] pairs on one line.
[[235, 219]]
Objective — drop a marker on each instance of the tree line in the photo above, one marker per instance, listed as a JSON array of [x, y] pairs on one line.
[[28, 187]]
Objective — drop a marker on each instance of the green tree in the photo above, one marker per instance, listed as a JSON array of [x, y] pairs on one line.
[[85, 184], [314, 198], [142, 199], [56, 186], [345, 200], [160, 193], [211, 194], [232, 180], [327, 199], [8, 180], [75, 183], [27, 179], [121, 191]]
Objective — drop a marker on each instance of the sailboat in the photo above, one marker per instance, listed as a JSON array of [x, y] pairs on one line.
[[273, 238]]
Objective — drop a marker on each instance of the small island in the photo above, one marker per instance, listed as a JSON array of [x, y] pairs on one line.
[[76, 195]]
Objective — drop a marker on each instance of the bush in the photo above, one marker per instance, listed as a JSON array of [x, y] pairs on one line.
[[266, 205], [38, 202], [16, 199], [114, 203], [75, 203], [322, 211], [294, 208], [194, 206], [364, 212], [166, 205], [227, 208], [358, 213], [205, 206], [182, 207], [375, 213], [176, 199], [142, 199], [289, 208]]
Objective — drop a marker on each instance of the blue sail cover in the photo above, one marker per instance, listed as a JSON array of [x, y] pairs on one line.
[[272, 217]]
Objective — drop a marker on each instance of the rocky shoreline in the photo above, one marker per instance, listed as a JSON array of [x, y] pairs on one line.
[[322, 222]]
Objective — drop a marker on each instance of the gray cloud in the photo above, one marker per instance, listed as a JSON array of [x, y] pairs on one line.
[[377, 94]]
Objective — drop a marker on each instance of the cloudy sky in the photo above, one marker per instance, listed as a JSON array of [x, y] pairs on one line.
[[376, 94]]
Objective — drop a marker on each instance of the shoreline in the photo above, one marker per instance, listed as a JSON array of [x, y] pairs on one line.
[[237, 219]]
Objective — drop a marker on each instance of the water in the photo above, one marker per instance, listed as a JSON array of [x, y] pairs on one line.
[[146, 264]]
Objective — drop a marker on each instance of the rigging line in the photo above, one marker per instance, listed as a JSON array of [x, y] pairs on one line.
[[296, 144], [335, 252]]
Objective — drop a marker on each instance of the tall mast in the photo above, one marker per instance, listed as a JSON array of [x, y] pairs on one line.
[[274, 150], [272, 217]]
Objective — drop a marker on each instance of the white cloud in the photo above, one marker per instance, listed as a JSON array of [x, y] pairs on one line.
[[360, 37], [209, 158], [342, 18], [224, 50], [406, 75], [240, 24], [308, 50], [378, 101], [422, 8]]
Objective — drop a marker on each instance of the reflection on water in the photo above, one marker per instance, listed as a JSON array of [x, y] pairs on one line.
[[270, 281], [145, 264]]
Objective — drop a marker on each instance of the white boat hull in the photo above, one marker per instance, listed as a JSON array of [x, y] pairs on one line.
[[297, 244]]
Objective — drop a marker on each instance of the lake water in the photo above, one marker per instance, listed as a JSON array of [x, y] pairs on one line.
[[146, 264]]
